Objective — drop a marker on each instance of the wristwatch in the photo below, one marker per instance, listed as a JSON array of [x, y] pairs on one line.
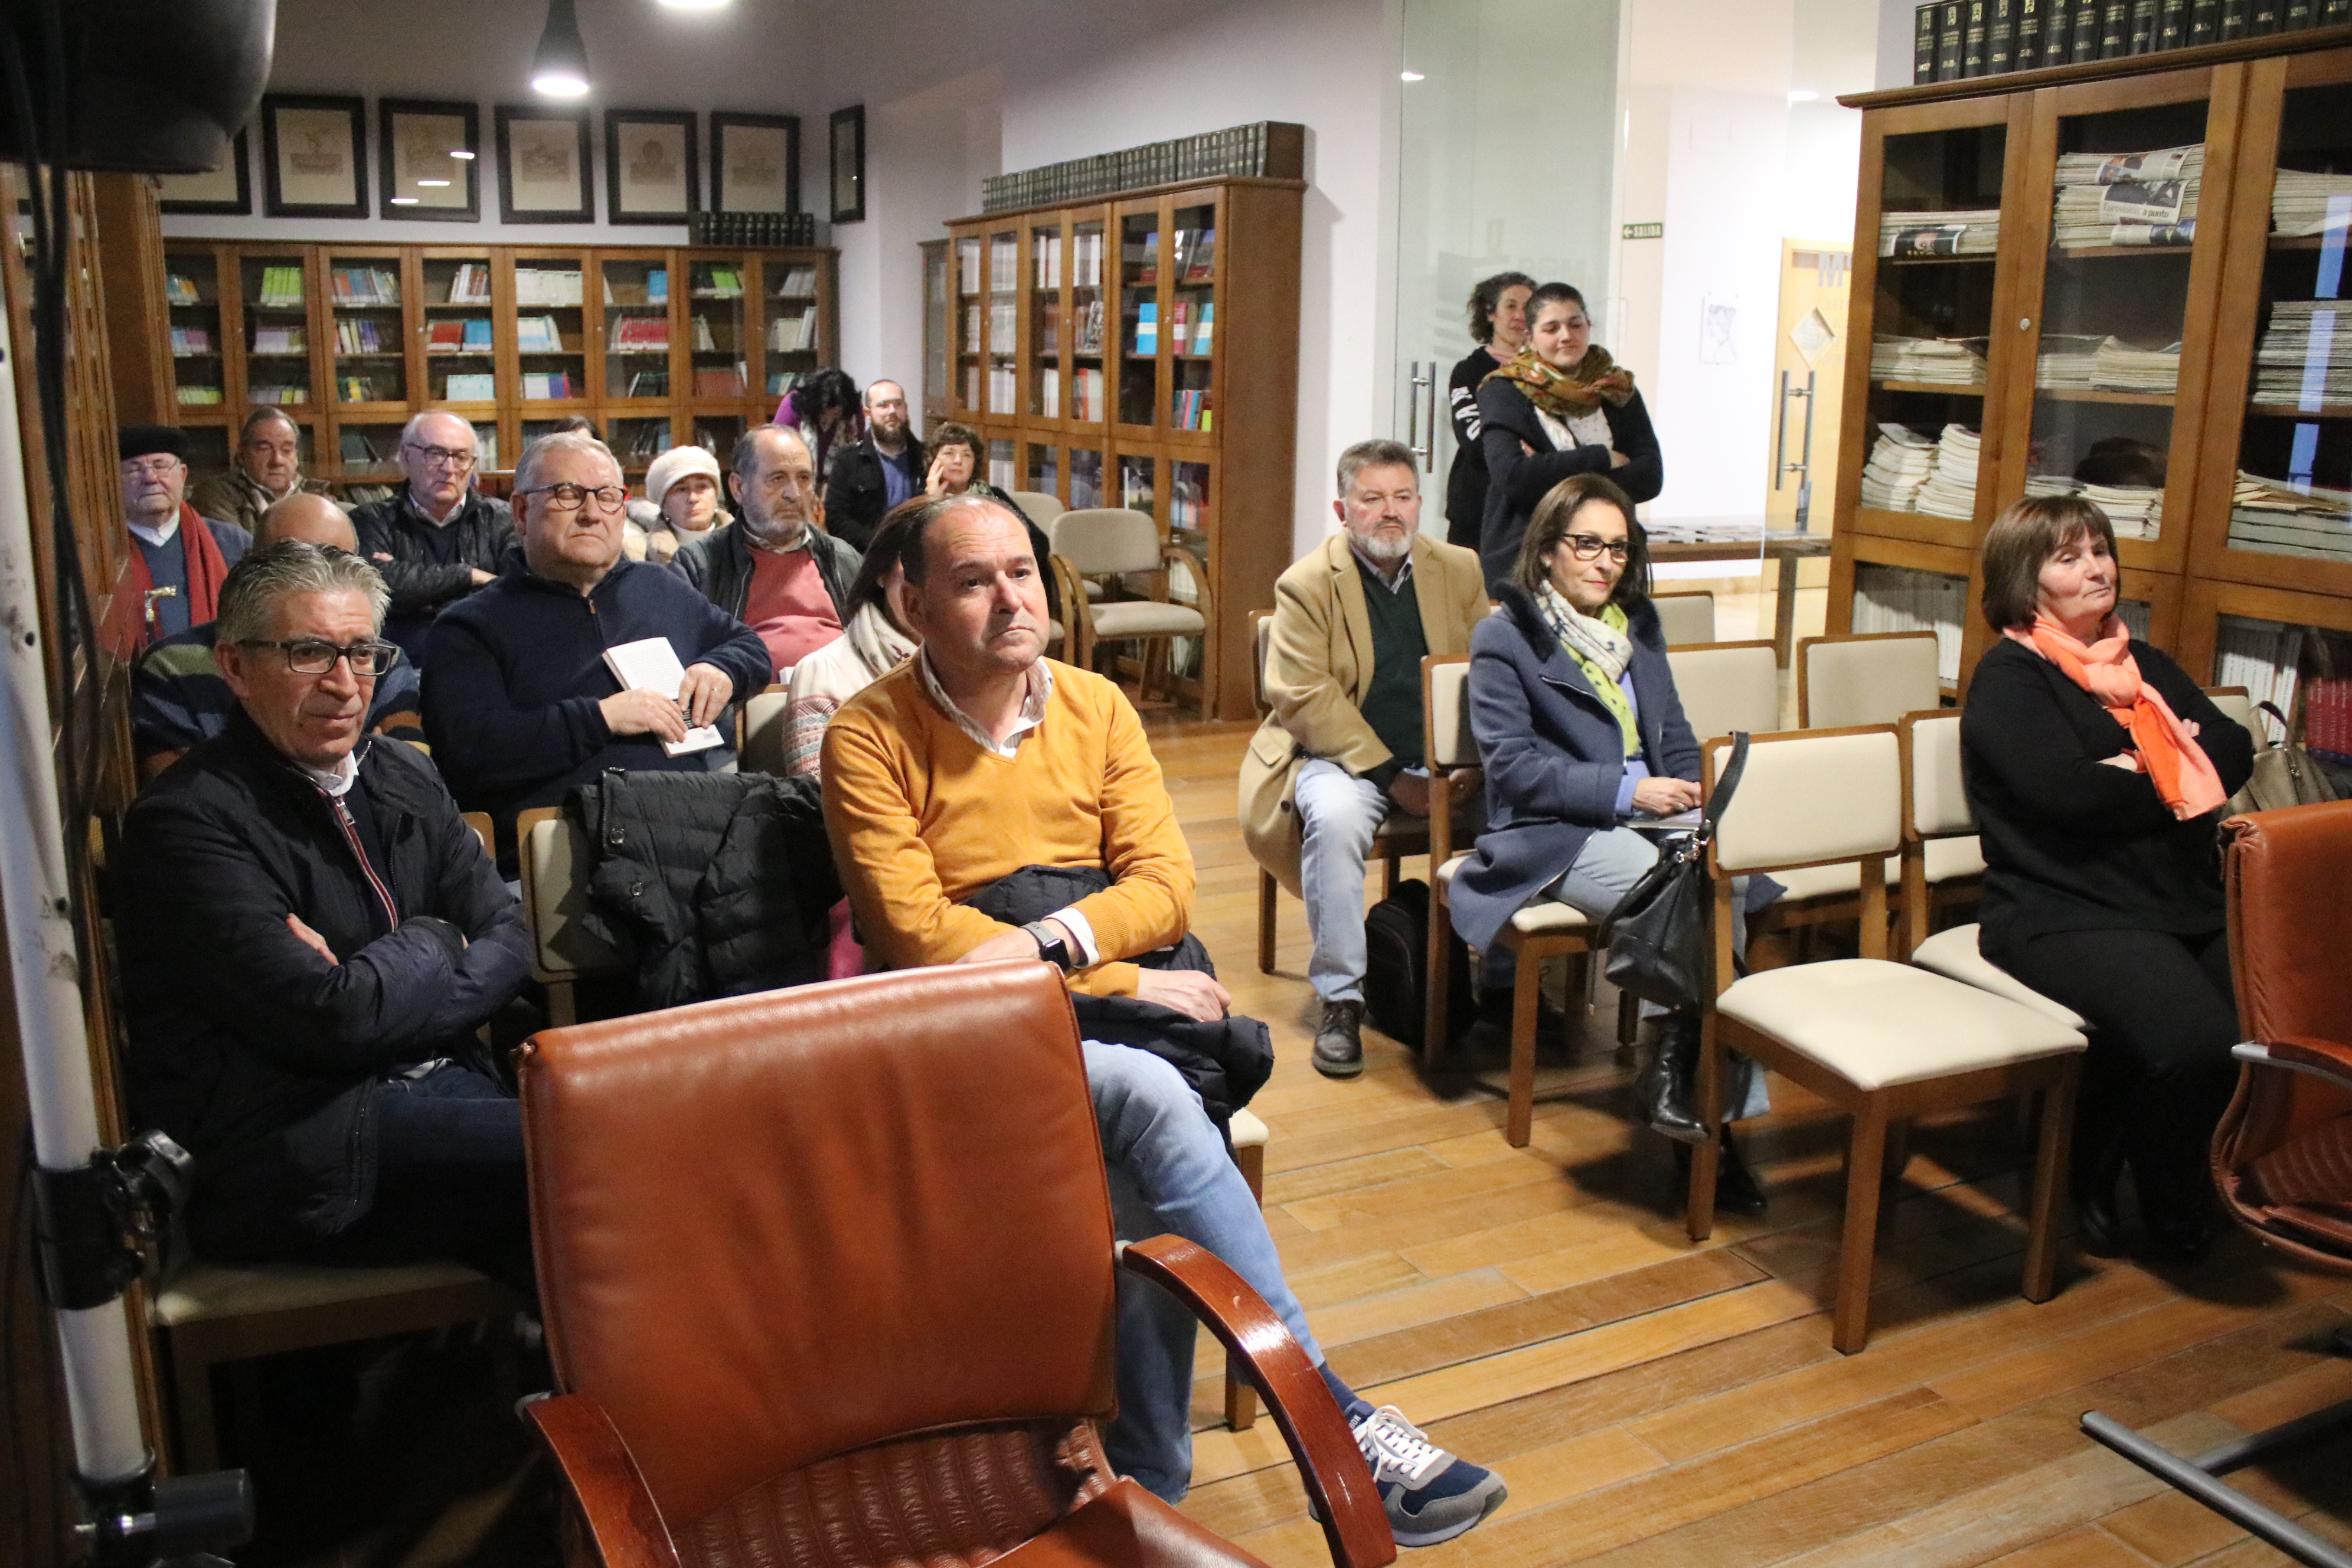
[[1051, 947]]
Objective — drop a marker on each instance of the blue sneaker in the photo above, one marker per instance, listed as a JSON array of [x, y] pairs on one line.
[[1430, 1496]]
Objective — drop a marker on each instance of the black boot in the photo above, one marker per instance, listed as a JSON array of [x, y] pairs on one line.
[[1338, 1041], [2095, 1164], [1665, 1083]]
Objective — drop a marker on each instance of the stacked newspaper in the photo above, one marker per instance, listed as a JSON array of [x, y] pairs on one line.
[[1937, 362], [2128, 198], [2052, 485], [2278, 519], [1951, 489], [1898, 466], [1976, 233], [1899, 599], [2067, 362], [2304, 204], [2136, 510], [2122, 368], [2305, 357]]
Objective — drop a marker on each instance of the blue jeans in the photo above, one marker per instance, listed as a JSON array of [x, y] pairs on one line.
[[1338, 815], [1171, 1175]]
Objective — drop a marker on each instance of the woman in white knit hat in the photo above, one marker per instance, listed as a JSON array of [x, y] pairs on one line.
[[683, 486]]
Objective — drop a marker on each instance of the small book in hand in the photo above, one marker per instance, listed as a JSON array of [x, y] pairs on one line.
[[650, 664]]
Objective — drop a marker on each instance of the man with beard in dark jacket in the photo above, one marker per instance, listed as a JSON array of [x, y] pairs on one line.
[[520, 703], [310, 935], [439, 539]]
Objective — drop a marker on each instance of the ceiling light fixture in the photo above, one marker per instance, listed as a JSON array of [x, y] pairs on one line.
[[432, 182], [1802, 95], [465, 153], [560, 67], [403, 201], [1411, 76], [693, 5]]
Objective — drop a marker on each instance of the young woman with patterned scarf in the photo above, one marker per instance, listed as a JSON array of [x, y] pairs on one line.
[[1560, 408], [1585, 748]]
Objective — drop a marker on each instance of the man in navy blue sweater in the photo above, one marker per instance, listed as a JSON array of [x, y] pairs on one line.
[[519, 704]]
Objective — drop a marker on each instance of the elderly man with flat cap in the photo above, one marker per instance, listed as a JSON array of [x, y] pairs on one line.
[[179, 557]]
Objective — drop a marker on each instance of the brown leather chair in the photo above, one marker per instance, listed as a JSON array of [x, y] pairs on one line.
[[2283, 1154], [827, 1276]]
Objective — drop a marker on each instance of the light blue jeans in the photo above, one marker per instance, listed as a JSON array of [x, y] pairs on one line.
[[1338, 815], [1171, 1175]]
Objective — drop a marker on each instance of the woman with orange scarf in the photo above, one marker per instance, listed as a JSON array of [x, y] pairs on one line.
[[2097, 770]]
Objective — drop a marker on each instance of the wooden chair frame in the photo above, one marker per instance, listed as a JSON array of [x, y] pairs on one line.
[[1922, 900], [562, 996], [1805, 663], [1873, 1111], [1078, 618]]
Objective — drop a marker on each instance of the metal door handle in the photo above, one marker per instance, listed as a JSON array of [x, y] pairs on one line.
[[1421, 445]]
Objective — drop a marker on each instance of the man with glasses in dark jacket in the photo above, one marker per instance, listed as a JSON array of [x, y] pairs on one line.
[[520, 703], [310, 935], [439, 539]]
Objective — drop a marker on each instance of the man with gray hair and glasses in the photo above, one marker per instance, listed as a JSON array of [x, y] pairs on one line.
[[310, 935], [439, 539], [520, 702]]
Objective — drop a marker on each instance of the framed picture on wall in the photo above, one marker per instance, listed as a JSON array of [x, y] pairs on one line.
[[652, 165], [427, 159], [227, 189], [314, 156], [755, 163], [848, 164], [544, 165]]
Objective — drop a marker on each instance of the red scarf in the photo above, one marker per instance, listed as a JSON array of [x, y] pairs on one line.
[[2169, 753], [125, 631]]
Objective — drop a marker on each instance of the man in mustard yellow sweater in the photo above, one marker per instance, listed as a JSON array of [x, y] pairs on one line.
[[978, 758]]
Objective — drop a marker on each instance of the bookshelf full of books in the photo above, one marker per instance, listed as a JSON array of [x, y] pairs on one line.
[[1953, 40], [2121, 279], [1142, 350], [657, 344]]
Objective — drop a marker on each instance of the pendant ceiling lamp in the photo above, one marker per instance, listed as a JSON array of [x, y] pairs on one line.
[[560, 68]]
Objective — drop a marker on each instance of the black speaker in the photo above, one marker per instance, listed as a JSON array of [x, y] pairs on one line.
[[154, 87]]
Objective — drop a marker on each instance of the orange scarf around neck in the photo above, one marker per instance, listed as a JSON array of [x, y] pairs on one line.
[[2169, 753]]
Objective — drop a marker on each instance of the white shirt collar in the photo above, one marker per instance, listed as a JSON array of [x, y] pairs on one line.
[[158, 537], [456, 507], [336, 781], [1394, 585], [1032, 707], [800, 541]]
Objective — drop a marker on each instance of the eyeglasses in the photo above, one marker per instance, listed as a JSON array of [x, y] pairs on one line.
[[1586, 547], [155, 467], [447, 457], [572, 498], [316, 656]]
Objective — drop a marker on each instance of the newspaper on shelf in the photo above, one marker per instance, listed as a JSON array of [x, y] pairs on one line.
[[2128, 198], [2136, 510], [2067, 362], [1899, 599], [1938, 361], [2305, 356], [1951, 489], [2123, 368], [2303, 204], [1971, 233], [2277, 518], [1899, 463], [2052, 485]]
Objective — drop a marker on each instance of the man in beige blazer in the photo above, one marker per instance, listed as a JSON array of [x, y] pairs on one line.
[[1343, 747]]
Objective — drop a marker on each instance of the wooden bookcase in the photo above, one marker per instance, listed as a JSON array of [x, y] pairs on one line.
[[661, 345], [1074, 348], [2211, 579]]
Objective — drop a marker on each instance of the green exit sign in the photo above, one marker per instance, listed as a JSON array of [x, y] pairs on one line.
[[1646, 231]]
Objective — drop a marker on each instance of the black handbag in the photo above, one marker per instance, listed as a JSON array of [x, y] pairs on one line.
[[1656, 936], [1396, 983]]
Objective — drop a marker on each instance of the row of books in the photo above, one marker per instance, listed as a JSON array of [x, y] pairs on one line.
[[1953, 39], [1192, 412], [1973, 232], [538, 335], [280, 341], [179, 289], [471, 386], [282, 391], [1086, 394], [639, 439], [794, 333], [638, 335], [1003, 390], [1899, 599], [364, 286], [1935, 361], [798, 282], [705, 336], [2305, 356], [359, 335], [1089, 314], [2128, 198], [187, 341], [549, 386], [1187, 334], [651, 290], [352, 389], [773, 230], [1271, 148], [469, 285], [647, 383], [2082, 363], [1085, 262], [465, 334], [550, 286], [1192, 257], [198, 396], [281, 288], [2264, 657], [2277, 517], [712, 280], [721, 381]]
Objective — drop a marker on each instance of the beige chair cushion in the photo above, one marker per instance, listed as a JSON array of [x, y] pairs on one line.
[[1450, 744], [206, 1290], [1876, 1023], [1953, 954], [2236, 705], [764, 735], [1949, 860], [1247, 1131], [1723, 690], [1106, 541], [1542, 915], [1827, 797], [1686, 617], [1147, 618], [1939, 801], [1040, 506], [1875, 680], [558, 887]]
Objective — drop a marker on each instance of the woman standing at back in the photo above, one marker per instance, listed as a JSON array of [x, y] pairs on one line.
[[1498, 323], [1560, 407]]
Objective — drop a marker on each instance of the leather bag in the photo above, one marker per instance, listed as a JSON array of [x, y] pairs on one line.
[[1396, 983], [2284, 775], [1656, 936]]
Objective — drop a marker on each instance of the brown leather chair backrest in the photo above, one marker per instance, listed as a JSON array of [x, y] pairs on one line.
[[781, 1227], [2283, 1155]]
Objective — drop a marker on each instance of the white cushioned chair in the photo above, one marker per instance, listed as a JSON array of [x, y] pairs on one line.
[[760, 738], [1105, 544], [1866, 677], [553, 853], [1728, 687], [1686, 617], [1881, 1041]]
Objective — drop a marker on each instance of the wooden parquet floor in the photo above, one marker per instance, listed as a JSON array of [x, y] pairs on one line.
[[1653, 1403]]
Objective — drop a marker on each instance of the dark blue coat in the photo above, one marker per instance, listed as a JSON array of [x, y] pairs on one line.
[[1554, 754], [513, 675]]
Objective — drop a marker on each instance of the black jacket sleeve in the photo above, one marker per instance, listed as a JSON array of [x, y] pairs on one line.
[[417, 587], [481, 739], [1509, 422], [1644, 472], [1461, 398], [852, 487]]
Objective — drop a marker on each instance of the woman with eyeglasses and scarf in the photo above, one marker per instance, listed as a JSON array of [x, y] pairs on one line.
[[1558, 407], [1585, 754]]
